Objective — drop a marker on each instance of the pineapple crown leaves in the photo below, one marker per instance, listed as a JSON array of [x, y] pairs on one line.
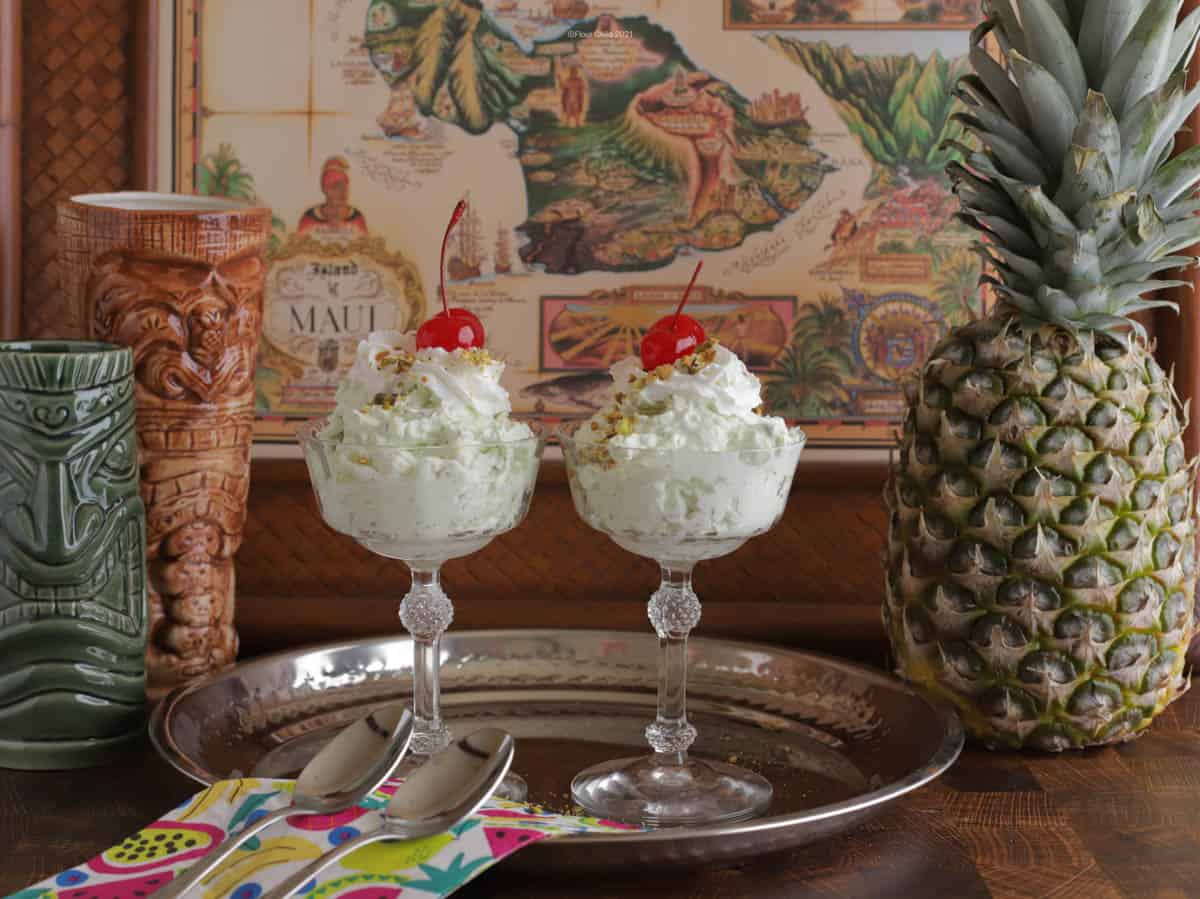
[[1071, 181]]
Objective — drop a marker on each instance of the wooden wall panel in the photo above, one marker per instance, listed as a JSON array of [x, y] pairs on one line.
[[10, 166], [77, 126], [816, 580], [1178, 335], [87, 80]]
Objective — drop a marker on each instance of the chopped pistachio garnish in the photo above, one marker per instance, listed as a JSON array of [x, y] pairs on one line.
[[704, 355], [597, 455], [397, 360], [620, 423], [478, 356]]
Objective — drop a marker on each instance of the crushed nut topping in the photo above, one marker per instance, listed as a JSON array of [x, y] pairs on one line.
[[397, 360], [478, 356], [386, 400], [704, 355], [597, 454], [620, 421]]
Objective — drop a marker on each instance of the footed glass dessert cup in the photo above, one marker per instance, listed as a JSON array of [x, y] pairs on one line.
[[424, 505], [677, 507]]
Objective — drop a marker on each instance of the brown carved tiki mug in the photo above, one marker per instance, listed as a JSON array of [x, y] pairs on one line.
[[179, 280]]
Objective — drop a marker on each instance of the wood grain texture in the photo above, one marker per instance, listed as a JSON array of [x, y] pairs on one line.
[[184, 291], [10, 168], [146, 92], [77, 129], [1178, 335], [1103, 824], [814, 581]]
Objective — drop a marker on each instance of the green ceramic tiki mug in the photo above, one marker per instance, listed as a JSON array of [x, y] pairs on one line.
[[72, 555]]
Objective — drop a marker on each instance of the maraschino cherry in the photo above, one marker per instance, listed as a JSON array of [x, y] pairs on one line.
[[673, 336], [451, 329]]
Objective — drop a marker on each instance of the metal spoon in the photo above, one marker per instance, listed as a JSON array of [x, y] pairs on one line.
[[352, 765], [448, 788]]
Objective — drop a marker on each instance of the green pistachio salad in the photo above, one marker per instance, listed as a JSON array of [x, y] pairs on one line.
[[422, 445], [686, 450]]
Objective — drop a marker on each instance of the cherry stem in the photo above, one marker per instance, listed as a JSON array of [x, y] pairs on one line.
[[455, 217], [687, 290]]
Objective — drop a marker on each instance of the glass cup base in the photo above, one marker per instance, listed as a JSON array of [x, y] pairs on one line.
[[512, 788], [658, 791]]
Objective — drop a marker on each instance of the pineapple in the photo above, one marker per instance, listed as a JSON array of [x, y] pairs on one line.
[[1041, 566]]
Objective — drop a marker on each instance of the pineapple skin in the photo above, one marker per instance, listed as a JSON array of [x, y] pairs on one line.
[[1041, 552]]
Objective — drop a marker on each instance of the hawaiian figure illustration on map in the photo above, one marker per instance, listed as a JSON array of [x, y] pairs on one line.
[[335, 215], [630, 152], [603, 146]]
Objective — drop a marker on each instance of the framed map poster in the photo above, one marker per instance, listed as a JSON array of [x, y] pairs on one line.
[[605, 146]]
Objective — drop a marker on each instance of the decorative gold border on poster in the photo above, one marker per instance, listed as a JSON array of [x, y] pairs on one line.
[[373, 247], [628, 293], [184, 123], [187, 96], [727, 24]]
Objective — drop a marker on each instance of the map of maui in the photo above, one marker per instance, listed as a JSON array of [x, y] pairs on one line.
[[629, 152]]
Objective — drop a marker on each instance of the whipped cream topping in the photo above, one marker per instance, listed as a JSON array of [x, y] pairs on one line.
[[423, 459], [396, 394], [682, 464], [706, 401]]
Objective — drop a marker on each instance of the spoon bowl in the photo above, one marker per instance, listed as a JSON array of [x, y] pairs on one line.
[[453, 784], [447, 789], [356, 762], [350, 767]]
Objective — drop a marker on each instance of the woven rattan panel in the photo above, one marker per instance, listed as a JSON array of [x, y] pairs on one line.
[[77, 128]]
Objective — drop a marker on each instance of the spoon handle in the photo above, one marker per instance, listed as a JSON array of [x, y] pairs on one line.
[[206, 865], [308, 872]]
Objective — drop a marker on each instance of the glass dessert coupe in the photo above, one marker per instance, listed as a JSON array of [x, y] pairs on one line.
[[424, 505], [677, 507]]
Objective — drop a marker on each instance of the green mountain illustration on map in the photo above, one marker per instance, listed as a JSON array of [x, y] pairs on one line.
[[899, 107], [630, 153]]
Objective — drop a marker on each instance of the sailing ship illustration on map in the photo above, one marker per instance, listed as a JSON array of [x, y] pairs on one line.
[[502, 257], [607, 145], [466, 256]]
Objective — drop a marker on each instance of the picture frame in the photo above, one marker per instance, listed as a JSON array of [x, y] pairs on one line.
[[864, 432], [151, 89]]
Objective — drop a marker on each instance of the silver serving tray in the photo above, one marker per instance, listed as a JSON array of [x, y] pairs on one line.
[[837, 740]]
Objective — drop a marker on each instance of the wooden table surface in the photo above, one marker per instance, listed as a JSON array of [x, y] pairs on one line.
[[1108, 823], [1123, 821]]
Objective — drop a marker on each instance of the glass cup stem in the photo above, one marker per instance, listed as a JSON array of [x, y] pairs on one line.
[[426, 612], [674, 610]]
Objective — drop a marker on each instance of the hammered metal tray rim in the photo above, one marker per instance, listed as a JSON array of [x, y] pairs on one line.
[[946, 753]]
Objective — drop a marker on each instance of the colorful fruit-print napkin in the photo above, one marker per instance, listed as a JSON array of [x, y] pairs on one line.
[[426, 868]]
